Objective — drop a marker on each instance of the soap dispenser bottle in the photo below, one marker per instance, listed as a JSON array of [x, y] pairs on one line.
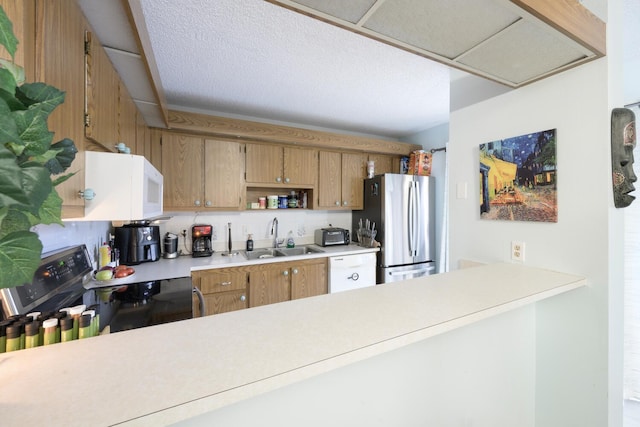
[[250, 243], [290, 242]]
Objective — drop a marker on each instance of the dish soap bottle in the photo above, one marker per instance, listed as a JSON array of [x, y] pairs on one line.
[[250, 243], [290, 242]]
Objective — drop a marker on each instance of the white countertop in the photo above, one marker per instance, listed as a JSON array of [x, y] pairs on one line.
[[162, 374], [184, 265]]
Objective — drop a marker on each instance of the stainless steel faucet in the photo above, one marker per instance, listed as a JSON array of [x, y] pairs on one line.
[[274, 233]]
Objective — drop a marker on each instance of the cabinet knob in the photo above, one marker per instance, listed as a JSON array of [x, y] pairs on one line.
[[345, 203], [278, 179], [337, 203], [87, 194], [208, 203], [287, 180], [294, 271], [197, 203], [285, 273], [243, 298]]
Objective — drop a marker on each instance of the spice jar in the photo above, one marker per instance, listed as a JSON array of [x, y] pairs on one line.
[[66, 329], [50, 331], [13, 338], [32, 334]]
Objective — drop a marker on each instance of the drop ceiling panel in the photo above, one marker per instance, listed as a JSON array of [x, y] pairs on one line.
[[533, 51], [428, 24], [350, 11]]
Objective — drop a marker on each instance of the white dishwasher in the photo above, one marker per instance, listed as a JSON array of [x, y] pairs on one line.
[[352, 272]]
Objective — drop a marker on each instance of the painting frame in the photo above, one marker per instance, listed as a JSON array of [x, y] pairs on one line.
[[518, 178]]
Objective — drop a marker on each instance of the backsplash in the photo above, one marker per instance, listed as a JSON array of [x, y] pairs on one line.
[[91, 233], [302, 224]]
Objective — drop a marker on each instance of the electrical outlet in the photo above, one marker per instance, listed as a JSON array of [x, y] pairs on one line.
[[517, 251]]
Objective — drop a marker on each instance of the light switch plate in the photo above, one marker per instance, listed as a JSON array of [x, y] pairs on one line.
[[461, 190]]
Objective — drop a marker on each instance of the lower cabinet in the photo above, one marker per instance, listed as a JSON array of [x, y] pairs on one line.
[[224, 289], [235, 288], [284, 281]]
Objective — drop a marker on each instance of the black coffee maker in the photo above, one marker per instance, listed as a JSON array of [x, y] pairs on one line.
[[137, 243], [201, 240]]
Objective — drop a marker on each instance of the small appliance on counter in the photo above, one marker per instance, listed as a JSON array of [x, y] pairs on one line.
[[170, 246], [332, 236], [201, 240], [138, 243]]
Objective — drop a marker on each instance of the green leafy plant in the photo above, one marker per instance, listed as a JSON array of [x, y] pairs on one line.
[[28, 161]]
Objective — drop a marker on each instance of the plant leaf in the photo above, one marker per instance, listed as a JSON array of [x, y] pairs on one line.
[[13, 221], [7, 37], [20, 253], [16, 70], [51, 210], [36, 185], [33, 130], [9, 102], [65, 153], [45, 96], [11, 191], [7, 81], [62, 178]]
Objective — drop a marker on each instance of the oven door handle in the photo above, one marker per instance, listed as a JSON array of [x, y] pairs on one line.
[[203, 308]]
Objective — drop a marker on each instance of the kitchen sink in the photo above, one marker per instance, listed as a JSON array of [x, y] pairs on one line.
[[262, 253], [300, 250]]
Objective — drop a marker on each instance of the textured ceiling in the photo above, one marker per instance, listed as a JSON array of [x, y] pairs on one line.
[[251, 58]]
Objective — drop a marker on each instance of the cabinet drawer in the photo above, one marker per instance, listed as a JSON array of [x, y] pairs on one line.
[[222, 302], [220, 281]]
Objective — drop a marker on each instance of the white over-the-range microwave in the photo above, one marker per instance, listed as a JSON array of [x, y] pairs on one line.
[[125, 187]]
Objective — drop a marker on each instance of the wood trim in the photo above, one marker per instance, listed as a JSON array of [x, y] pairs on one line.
[[572, 19], [133, 9], [264, 132]]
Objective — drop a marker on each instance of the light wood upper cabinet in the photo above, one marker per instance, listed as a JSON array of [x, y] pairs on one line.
[[102, 96], [385, 163], [278, 165], [127, 119], [60, 29], [341, 180], [224, 164], [182, 170], [22, 16], [201, 174]]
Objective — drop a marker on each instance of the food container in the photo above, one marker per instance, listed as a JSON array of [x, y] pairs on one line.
[[262, 202], [272, 202], [283, 201]]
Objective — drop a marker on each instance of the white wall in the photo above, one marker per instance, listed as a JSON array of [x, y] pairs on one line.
[[475, 376], [572, 365], [72, 233]]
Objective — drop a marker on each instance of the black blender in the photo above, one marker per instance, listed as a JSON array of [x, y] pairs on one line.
[[201, 240]]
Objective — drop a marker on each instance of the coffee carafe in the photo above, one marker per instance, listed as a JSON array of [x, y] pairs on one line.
[[201, 240], [170, 246]]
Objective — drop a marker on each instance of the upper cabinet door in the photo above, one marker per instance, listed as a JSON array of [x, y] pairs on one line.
[[60, 30], [102, 96], [330, 180], [300, 166], [224, 165], [127, 119], [353, 174], [182, 169], [264, 164]]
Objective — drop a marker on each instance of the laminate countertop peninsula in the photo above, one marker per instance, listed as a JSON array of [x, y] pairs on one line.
[[171, 372]]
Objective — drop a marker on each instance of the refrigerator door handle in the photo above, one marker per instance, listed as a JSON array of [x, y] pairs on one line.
[[412, 218], [417, 203], [405, 272]]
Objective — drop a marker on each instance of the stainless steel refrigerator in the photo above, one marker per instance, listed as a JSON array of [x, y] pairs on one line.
[[402, 208]]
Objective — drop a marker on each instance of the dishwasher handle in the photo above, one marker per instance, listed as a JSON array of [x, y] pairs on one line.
[[203, 307]]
